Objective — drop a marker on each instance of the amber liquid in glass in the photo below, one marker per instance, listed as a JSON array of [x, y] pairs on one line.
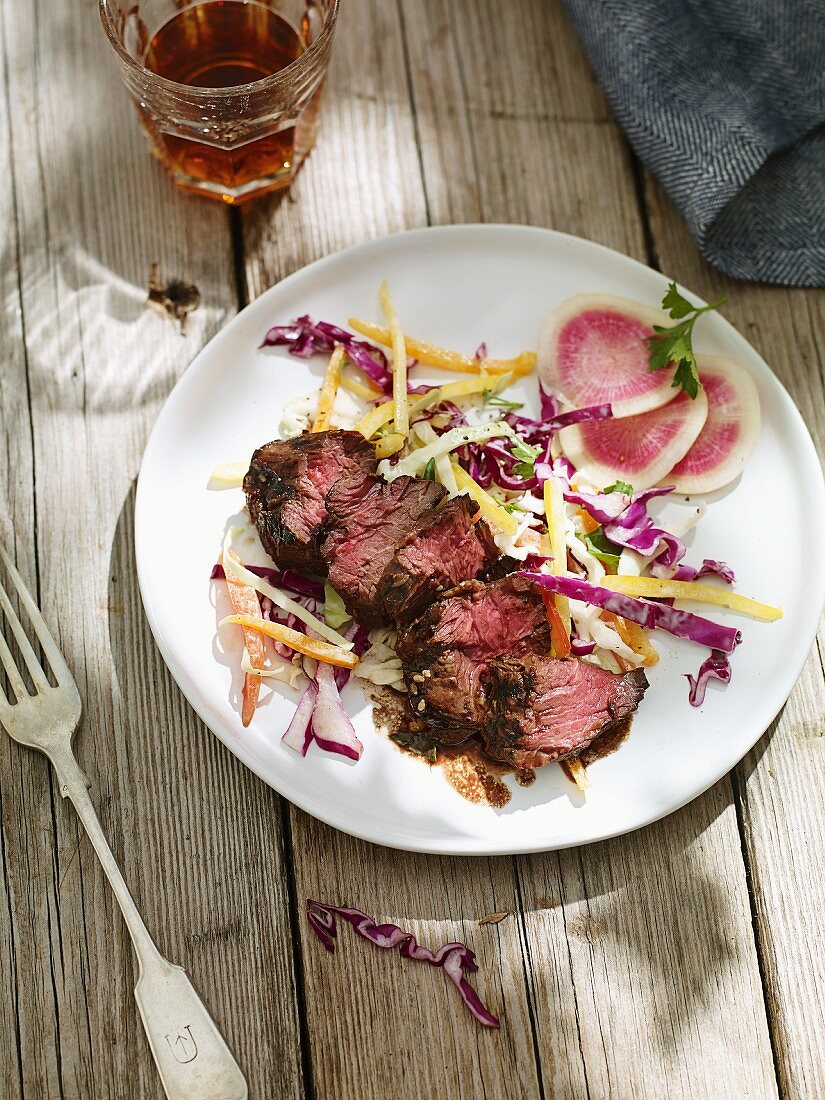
[[221, 44]]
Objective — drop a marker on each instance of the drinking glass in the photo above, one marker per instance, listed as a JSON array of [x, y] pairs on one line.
[[228, 91]]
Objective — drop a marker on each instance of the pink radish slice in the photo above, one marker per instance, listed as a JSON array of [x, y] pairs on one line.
[[593, 349], [729, 435], [638, 449]]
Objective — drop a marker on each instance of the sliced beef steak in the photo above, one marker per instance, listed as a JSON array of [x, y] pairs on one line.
[[369, 519], [446, 651], [444, 550], [544, 709], [286, 486]]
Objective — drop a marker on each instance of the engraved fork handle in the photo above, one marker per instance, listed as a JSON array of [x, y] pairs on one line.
[[193, 1060]]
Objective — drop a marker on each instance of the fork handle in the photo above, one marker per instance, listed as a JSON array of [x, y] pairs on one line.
[[191, 1055]]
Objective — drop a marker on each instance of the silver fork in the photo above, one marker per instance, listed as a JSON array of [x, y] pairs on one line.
[[193, 1060]]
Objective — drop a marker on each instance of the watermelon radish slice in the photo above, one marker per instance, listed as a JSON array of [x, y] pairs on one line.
[[637, 449], [593, 349], [729, 434]]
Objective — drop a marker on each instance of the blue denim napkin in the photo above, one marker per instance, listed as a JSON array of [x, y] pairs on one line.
[[724, 100]]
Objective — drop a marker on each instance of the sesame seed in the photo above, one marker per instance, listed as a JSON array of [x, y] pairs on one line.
[[419, 679], [421, 705], [428, 673]]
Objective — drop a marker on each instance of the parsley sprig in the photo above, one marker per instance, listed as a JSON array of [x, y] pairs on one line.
[[674, 344]]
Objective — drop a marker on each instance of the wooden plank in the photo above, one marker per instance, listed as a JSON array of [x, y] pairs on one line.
[[20, 933], [640, 917], [199, 837], [378, 1025], [511, 127], [780, 782]]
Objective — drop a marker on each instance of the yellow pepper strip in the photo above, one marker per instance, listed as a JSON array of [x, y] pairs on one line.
[[376, 418], [312, 647], [577, 772], [229, 475], [399, 363], [329, 391], [382, 414], [554, 511], [491, 510], [692, 590], [359, 389], [389, 445], [448, 360]]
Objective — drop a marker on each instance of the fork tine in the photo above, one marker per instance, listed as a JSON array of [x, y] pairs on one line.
[[24, 645], [50, 648], [15, 679]]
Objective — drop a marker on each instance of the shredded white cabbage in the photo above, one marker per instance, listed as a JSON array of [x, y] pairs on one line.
[[443, 466], [299, 412], [380, 664], [297, 415], [285, 671], [279, 598], [414, 464]]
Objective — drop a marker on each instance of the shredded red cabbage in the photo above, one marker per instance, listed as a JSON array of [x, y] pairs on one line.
[[537, 431], [549, 405], [714, 667], [682, 624], [554, 467], [299, 731], [627, 523], [281, 578], [330, 723], [580, 648], [305, 337], [455, 959], [481, 351], [710, 567]]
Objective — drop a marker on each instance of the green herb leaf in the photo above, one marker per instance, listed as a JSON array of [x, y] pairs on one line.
[[602, 548], [687, 377], [673, 345], [676, 304], [491, 398], [335, 614], [619, 487], [429, 471]]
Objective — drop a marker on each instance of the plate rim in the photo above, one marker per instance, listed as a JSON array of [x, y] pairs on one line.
[[455, 844]]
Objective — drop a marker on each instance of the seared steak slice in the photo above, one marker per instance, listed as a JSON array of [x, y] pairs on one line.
[[369, 519], [544, 709], [286, 486], [446, 651], [444, 550]]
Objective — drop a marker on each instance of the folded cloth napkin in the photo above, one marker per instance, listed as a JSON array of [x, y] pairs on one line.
[[724, 100]]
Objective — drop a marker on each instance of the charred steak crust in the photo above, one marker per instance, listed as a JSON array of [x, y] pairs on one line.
[[447, 548], [286, 487], [446, 651], [543, 709], [369, 519]]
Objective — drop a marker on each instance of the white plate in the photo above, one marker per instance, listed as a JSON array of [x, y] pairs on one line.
[[457, 286]]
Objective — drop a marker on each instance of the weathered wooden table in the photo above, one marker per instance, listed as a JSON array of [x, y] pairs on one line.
[[684, 960]]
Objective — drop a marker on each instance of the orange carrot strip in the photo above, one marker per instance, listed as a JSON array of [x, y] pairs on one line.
[[245, 601], [588, 523], [559, 637]]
